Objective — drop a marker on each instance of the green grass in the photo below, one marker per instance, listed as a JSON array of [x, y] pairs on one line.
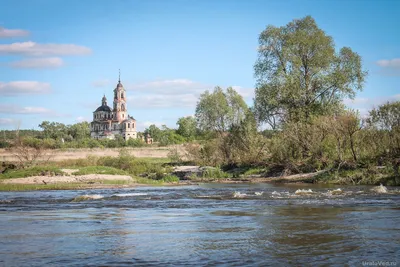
[[154, 160], [253, 171], [33, 171], [215, 173], [100, 170], [360, 176], [31, 187], [116, 182], [170, 179], [142, 180]]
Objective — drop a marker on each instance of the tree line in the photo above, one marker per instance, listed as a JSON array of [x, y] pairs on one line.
[[55, 135], [302, 80]]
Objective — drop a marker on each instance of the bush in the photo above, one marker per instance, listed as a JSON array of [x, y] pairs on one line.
[[135, 143], [32, 171], [100, 170], [174, 156], [4, 144], [170, 179], [214, 173]]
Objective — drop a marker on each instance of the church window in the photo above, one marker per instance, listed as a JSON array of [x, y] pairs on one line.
[[129, 125], [122, 95]]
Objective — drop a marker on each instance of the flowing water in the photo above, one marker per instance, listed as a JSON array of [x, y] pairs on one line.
[[205, 225]]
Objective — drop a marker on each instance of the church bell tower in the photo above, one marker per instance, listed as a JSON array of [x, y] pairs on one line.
[[119, 107]]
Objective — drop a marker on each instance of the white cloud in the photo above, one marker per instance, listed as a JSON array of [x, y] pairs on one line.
[[389, 63], [162, 101], [148, 123], [6, 33], [245, 92], [174, 93], [364, 105], [15, 109], [101, 83], [48, 62], [24, 87], [7, 121], [81, 119], [356, 101], [389, 67], [34, 49], [170, 87]]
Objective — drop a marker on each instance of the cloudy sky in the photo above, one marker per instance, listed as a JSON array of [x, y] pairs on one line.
[[58, 58]]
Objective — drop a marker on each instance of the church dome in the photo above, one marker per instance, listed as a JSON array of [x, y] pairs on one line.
[[103, 108]]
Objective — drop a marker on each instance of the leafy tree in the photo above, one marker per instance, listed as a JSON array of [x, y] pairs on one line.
[[54, 130], [154, 132], [247, 145], [169, 137], [349, 125], [386, 118], [165, 136], [299, 74], [219, 110], [79, 130], [187, 127]]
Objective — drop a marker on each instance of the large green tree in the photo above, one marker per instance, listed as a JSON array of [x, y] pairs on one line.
[[299, 73], [79, 130], [154, 132], [386, 119], [220, 110], [187, 127], [54, 130]]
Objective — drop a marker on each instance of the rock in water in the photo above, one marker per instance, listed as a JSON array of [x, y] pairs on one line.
[[303, 192], [380, 189], [238, 195], [335, 192]]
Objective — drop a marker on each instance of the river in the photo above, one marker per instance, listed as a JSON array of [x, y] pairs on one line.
[[202, 225]]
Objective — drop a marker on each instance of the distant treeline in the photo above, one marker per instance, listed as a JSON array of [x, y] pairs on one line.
[[56, 135]]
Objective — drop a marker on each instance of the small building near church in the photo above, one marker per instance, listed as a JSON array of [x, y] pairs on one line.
[[147, 138], [112, 122]]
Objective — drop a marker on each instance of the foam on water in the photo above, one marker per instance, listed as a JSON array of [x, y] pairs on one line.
[[130, 194], [237, 194], [380, 189], [304, 192], [335, 192], [258, 193], [87, 197]]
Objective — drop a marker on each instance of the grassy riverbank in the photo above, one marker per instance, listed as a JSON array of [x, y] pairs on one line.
[[126, 170]]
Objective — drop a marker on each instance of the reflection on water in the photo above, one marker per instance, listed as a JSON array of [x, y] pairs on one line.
[[213, 224]]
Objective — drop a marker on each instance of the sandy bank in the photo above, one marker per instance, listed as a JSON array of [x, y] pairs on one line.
[[67, 179], [58, 154]]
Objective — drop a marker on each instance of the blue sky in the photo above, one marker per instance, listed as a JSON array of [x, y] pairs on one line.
[[58, 58]]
